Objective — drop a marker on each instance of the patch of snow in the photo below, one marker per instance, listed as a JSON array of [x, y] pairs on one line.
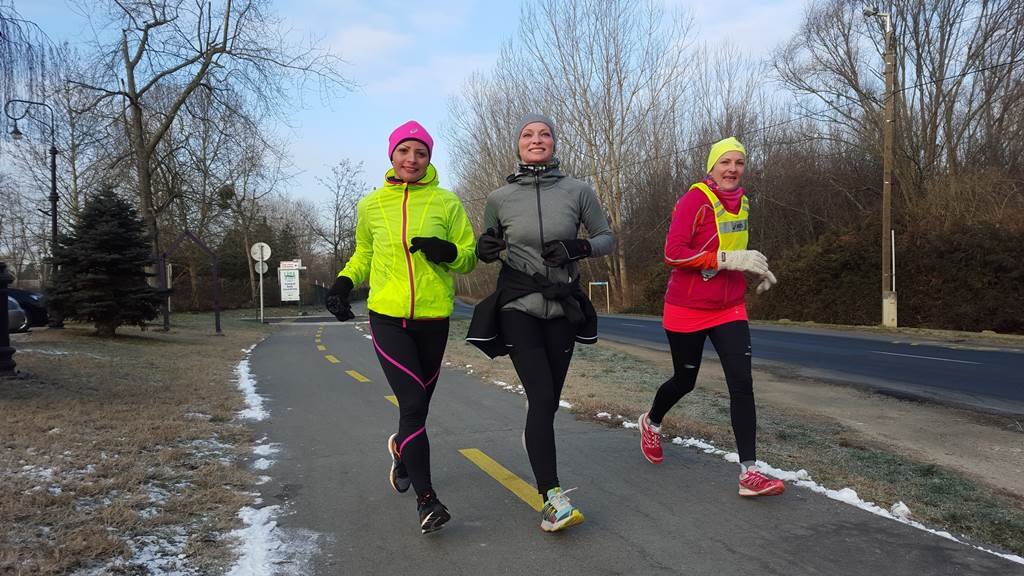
[[259, 542], [37, 473], [564, 404], [630, 424], [262, 464], [247, 384], [603, 415], [51, 352], [265, 549], [900, 510], [155, 553], [265, 449]]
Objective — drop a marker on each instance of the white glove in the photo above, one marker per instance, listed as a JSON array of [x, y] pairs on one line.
[[743, 260], [766, 283]]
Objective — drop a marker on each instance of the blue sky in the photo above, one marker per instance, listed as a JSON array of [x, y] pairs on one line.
[[409, 57]]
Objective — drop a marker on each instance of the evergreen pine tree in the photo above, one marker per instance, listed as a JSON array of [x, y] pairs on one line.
[[101, 276]]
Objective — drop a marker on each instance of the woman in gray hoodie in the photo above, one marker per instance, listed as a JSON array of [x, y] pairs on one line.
[[538, 311]]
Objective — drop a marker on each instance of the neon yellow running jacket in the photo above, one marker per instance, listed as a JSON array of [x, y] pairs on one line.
[[405, 285]]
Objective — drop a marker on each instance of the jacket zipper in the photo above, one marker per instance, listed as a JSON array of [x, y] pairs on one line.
[[540, 225], [408, 255]]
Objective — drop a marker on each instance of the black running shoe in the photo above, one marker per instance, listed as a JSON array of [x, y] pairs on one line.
[[398, 476], [433, 514]]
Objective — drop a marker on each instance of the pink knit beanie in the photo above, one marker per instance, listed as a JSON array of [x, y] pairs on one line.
[[411, 130]]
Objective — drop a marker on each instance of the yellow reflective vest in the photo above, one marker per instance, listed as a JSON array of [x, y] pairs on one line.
[[403, 284], [732, 228]]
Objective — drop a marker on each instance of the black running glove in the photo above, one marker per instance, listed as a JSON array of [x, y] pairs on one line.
[[436, 250], [560, 252], [337, 299], [489, 246]]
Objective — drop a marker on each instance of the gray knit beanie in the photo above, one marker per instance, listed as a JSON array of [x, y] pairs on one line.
[[530, 119]]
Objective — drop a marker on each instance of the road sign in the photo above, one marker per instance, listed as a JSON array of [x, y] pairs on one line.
[[289, 284], [261, 267], [607, 294], [260, 251], [290, 265]]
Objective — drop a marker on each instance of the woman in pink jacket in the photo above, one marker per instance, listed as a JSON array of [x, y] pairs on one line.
[[706, 247]]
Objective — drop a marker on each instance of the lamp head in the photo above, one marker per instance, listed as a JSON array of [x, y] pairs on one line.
[[870, 11], [15, 133]]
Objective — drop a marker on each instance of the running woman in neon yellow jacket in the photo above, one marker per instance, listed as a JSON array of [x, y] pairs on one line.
[[411, 237]]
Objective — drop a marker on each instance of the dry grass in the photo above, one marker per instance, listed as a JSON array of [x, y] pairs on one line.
[[617, 379], [112, 446]]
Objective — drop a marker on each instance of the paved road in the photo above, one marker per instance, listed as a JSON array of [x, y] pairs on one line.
[[988, 378], [331, 416]]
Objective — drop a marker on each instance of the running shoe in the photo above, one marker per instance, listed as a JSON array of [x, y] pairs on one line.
[[398, 476], [754, 483], [650, 441], [433, 514], [558, 512]]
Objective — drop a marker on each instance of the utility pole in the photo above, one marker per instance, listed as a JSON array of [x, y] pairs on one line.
[[888, 160]]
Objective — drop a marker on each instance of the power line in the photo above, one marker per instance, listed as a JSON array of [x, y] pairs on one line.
[[962, 74]]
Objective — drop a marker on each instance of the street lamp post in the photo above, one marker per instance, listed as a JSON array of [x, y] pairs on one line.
[[889, 318], [55, 321]]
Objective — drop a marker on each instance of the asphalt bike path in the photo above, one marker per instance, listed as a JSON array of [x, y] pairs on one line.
[[331, 415]]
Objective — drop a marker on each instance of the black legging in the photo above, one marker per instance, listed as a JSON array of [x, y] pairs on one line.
[[732, 342], [410, 352], [541, 351]]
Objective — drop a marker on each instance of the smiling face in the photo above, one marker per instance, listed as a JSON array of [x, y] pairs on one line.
[[410, 160], [536, 144], [728, 170]]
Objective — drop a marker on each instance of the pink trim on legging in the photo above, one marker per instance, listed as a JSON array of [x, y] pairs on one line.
[[393, 361], [411, 436], [434, 377]]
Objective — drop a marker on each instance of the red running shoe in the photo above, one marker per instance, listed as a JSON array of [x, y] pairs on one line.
[[650, 441], [753, 483]]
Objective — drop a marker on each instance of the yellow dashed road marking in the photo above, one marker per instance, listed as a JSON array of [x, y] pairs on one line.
[[332, 359], [514, 483], [392, 399], [321, 347], [357, 375]]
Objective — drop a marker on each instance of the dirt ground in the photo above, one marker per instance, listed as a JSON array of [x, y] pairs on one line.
[[987, 448]]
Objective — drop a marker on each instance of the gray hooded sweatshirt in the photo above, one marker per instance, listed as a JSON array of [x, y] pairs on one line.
[[539, 206]]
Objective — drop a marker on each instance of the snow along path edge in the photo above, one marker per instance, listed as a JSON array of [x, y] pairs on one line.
[[263, 548]]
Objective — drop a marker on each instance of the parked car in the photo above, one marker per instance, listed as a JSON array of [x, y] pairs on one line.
[[32, 304], [17, 321]]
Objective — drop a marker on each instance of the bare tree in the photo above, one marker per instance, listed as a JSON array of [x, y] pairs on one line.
[[335, 223], [227, 48], [610, 73], [958, 93], [22, 54]]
